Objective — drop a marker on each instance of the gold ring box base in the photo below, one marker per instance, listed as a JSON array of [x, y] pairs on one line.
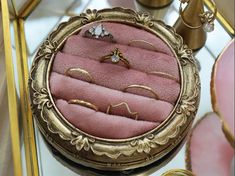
[[110, 154], [155, 3]]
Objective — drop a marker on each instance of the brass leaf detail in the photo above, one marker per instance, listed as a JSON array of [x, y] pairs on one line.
[[144, 145], [47, 49], [81, 142], [89, 16], [188, 103], [41, 98], [145, 19]]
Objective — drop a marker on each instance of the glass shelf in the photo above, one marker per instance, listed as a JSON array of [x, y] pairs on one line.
[[44, 19]]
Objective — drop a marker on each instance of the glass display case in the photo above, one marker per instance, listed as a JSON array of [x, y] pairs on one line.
[[25, 30]]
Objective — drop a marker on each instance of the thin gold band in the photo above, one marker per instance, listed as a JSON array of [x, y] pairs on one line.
[[144, 88], [205, 17], [136, 114], [164, 75], [83, 103], [142, 41], [70, 71]]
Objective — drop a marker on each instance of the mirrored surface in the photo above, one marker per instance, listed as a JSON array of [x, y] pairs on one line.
[[49, 13]]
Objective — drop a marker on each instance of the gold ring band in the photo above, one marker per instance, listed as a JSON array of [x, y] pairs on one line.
[[142, 41], [144, 88], [136, 114], [164, 75], [115, 57], [71, 71], [83, 103]]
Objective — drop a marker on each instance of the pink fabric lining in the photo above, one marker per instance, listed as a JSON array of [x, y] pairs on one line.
[[140, 59], [224, 86], [123, 34], [110, 80], [211, 153], [148, 108], [103, 125], [110, 75]]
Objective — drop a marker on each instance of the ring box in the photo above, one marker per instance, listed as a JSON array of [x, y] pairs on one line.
[[115, 140]]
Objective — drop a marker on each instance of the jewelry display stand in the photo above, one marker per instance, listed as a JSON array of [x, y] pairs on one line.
[[31, 25]]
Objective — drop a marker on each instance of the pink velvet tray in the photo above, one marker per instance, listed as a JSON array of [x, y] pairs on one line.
[[110, 80]]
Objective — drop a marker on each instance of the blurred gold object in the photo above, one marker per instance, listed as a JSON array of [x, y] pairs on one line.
[[194, 22], [178, 172], [155, 3]]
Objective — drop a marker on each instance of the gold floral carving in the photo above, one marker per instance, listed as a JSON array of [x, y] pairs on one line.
[[89, 16], [71, 139], [145, 19]]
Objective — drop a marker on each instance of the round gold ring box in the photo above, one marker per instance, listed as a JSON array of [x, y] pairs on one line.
[[151, 91]]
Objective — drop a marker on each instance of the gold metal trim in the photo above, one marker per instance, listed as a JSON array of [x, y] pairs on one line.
[[28, 8], [111, 106], [11, 90], [28, 125], [142, 87], [229, 28]]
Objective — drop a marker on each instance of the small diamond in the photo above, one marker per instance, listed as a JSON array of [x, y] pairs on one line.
[[115, 58], [208, 27], [91, 30], [98, 30]]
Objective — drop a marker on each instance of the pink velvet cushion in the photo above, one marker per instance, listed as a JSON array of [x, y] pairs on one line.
[[148, 108], [140, 59], [101, 124], [123, 34], [111, 76], [210, 152], [111, 79]]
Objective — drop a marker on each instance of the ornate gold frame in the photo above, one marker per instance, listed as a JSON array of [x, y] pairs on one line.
[[113, 154]]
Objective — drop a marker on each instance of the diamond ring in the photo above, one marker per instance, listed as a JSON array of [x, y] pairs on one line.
[[115, 57], [99, 32]]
